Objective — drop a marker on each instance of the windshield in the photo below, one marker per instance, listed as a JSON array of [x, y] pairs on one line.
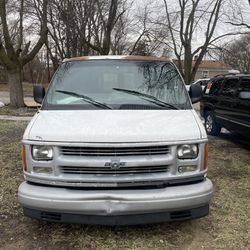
[[117, 84]]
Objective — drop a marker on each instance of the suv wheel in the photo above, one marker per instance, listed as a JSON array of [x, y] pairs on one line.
[[211, 126]]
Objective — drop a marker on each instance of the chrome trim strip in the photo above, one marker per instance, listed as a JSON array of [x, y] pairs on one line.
[[113, 144], [240, 123]]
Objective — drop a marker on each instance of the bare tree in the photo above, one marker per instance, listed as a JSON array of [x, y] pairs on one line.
[[239, 14], [192, 17], [103, 23], [14, 52], [236, 53], [119, 41], [68, 29], [148, 36], [85, 27]]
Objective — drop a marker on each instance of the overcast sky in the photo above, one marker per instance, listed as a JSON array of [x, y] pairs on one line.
[[241, 7]]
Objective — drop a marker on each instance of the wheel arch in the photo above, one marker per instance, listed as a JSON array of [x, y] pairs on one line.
[[207, 109]]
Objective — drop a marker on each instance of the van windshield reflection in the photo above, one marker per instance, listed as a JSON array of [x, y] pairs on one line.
[[117, 83]]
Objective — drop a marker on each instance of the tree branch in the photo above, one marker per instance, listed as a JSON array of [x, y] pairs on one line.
[[19, 46], [239, 24], [43, 36], [7, 40], [4, 59]]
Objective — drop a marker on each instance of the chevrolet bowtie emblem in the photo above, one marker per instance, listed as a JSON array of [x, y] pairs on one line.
[[115, 164]]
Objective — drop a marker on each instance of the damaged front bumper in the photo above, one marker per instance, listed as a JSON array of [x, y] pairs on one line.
[[116, 207]]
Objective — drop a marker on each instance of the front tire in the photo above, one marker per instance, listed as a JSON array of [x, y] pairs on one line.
[[211, 126]]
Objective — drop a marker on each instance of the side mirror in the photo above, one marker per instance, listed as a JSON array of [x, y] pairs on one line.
[[195, 93], [245, 95], [38, 93]]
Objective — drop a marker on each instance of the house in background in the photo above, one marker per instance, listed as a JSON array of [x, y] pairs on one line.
[[210, 68]]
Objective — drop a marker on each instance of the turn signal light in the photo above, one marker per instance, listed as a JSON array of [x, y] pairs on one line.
[[24, 162], [185, 169], [42, 170], [205, 157]]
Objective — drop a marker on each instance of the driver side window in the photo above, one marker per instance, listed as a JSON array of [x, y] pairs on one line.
[[230, 87], [244, 85]]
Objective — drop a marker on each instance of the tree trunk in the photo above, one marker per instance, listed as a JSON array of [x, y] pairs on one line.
[[16, 88], [188, 64]]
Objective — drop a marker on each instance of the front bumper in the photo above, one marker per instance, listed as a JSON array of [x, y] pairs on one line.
[[112, 207]]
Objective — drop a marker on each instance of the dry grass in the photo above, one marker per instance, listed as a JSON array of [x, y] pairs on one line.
[[226, 227], [7, 110]]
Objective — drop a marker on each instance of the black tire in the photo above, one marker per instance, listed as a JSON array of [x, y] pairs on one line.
[[211, 126]]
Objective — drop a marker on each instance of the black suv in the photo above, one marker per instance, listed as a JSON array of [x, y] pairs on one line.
[[226, 103]]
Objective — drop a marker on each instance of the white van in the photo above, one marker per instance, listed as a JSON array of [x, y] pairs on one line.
[[115, 142]]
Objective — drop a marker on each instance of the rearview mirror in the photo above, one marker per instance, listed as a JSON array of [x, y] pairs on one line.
[[244, 95], [195, 93], [38, 93]]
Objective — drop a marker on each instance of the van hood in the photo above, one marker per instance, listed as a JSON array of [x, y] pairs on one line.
[[112, 126]]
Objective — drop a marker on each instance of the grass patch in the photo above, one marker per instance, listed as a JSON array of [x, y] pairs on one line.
[[229, 170], [7, 110]]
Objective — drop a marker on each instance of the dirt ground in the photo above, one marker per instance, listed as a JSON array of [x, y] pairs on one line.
[[226, 227]]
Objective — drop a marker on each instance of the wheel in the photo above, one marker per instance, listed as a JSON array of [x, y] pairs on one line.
[[211, 126]]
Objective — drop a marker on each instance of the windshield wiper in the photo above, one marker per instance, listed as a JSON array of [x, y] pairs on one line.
[[147, 97], [86, 99]]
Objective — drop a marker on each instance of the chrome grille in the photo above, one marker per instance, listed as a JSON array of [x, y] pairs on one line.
[[114, 151], [106, 170]]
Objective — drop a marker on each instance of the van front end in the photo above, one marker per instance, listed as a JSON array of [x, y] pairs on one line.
[[115, 184]]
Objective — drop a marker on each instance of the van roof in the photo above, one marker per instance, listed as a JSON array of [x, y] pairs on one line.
[[112, 57]]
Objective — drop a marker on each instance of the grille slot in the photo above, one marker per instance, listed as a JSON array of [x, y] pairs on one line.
[[114, 151], [107, 170]]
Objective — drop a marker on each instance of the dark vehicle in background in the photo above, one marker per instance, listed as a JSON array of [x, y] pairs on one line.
[[226, 103], [203, 82]]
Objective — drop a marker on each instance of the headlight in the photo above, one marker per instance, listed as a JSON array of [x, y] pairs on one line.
[[42, 153], [187, 151]]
